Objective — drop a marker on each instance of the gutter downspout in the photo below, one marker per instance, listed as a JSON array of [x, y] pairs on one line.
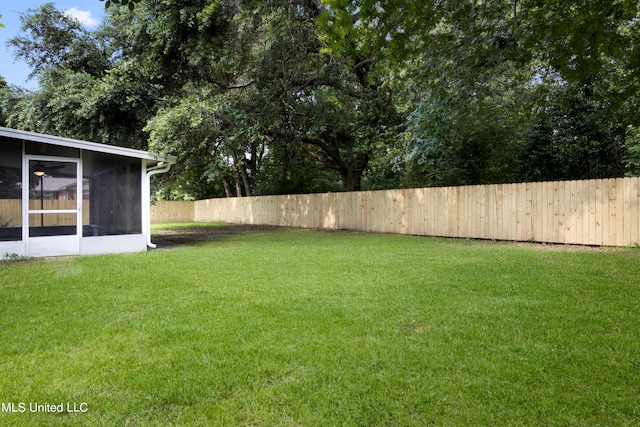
[[153, 171]]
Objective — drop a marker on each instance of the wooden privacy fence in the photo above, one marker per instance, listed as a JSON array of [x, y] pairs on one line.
[[592, 212], [172, 211]]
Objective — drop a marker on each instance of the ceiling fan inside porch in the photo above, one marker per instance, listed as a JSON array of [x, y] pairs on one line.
[[40, 170]]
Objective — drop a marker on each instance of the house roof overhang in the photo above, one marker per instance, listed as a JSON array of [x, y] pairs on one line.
[[85, 145]]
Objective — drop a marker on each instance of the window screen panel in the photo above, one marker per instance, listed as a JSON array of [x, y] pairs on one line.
[[53, 186], [10, 190], [52, 224], [113, 194]]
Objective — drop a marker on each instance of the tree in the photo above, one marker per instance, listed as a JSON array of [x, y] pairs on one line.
[[6, 98], [331, 108], [302, 95], [276, 89], [477, 70], [86, 91], [51, 40], [572, 136], [212, 137], [4, 90]]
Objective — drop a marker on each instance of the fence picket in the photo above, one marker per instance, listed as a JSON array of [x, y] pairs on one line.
[[596, 212]]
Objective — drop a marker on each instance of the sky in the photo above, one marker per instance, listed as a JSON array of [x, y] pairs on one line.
[[89, 12]]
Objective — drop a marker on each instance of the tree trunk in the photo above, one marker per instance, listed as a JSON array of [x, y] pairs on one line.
[[245, 181], [225, 182], [350, 166], [240, 175], [238, 180], [227, 187], [352, 174]]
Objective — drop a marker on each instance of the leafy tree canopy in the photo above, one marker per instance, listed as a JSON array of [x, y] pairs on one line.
[[308, 95], [478, 78]]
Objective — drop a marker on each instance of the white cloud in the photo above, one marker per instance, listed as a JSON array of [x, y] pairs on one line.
[[84, 16]]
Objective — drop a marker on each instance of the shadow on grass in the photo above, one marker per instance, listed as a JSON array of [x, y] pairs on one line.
[[168, 238]]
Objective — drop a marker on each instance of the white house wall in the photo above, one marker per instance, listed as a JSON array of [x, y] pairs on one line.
[[113, 244], [88, 246], [12, 248]]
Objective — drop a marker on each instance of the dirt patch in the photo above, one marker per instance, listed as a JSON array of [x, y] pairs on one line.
[[569, 248], [168, 238], [549, 246], [173, 237]]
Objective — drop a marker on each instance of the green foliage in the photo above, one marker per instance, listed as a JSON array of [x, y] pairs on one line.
[[287, 170], [13, 257], [291, 96], [50, 40], [472, 73], [85, 91], [633, 145], [130, 4], [272, 87], [6, 94], [573, 138], [227, 143], [468, 135]]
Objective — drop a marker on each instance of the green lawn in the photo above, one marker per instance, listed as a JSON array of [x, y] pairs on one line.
[[305, 328]]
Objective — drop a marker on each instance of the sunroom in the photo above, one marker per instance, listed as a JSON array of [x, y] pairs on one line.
[[61, 196]]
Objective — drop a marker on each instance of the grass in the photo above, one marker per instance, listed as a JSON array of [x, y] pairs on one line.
[[306, 328]]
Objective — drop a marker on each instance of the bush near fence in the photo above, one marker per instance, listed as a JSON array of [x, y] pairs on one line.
[[591, 212]]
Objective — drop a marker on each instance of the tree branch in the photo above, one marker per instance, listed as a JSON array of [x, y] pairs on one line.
[[234, 86]]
